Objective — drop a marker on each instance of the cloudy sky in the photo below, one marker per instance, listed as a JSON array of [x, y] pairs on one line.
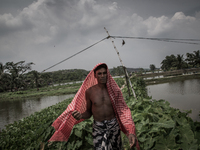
[[46, 32]]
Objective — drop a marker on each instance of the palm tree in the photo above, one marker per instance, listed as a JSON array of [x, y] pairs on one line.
[[196, 58], [180, 62], [193, 59]]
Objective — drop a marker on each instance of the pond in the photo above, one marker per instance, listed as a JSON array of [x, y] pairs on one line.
[[11, 111], [184, 95]]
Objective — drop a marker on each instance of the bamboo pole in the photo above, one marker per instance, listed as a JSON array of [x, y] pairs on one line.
[[127, 81], [126, 73]]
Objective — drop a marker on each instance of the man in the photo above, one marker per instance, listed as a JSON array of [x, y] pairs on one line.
[[101, 97]]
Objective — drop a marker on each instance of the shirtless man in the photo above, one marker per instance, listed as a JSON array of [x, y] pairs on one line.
[[99, 105]]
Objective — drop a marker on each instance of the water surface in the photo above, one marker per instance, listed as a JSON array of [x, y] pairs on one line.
[[184, 95], [11, 111]]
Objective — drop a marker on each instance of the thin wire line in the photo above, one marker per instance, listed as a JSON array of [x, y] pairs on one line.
[[155, 38], [162, 39], [181, 42], [74, 55]]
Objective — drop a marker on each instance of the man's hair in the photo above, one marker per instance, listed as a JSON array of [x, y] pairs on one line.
[[99, 67]]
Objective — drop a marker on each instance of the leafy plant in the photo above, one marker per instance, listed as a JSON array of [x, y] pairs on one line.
[[158, 127], [120, 81]]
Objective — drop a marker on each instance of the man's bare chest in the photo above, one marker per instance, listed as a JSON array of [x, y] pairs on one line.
[[100, 98]]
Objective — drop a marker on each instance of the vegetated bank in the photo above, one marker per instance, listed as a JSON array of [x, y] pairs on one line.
[[171, 78], [158, 126], [168, 76], [43, 91]]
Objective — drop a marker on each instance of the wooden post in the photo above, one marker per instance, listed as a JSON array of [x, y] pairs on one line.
[[126, 73], [127, 81]]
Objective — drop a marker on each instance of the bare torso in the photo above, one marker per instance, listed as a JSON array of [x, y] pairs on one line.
[[101, 106]]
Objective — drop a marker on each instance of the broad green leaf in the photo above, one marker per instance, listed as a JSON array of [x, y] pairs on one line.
[[164, 123], [181, 121], [186, 134], [78, 144], [142, 139], [89, 139], [191, 146], [165, 143], [154, 129], [78, 133], [149, 142]]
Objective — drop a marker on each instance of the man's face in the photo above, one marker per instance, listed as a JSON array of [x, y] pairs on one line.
[[101, 75]]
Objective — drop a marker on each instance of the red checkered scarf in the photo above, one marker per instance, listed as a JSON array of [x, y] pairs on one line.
[[65, 122]]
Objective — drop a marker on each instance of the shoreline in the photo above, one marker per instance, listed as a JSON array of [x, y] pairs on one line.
[[171, 79], [44, 91]]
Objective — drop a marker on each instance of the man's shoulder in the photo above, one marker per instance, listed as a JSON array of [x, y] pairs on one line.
[[89, 90]]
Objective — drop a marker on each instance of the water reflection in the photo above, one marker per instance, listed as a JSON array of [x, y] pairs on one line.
[[177, 87], [11, 111], [184, 95]]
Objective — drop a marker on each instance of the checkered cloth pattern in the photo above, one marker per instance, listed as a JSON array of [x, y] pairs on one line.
[[65, 122]]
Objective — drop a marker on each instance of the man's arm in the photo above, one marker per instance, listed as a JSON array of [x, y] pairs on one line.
[[88, 113], [129, 126]]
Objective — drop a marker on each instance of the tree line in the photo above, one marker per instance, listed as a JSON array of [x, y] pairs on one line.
[[173, 62], [178, 62], [15, 76]]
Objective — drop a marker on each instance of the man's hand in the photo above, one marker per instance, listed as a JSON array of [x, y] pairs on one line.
[[76, 115], [132, 140]]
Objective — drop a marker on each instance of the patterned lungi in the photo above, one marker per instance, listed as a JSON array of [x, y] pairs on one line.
[[106, 135]]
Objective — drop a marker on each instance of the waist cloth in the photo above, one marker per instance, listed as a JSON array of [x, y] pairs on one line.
[[106, 135]]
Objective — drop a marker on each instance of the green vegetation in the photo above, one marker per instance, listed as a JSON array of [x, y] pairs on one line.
[[119, 81], [13, 77], [43, 91], [158, 126], [29, 132], [152, 67], [117, 71], [173, 62], [193, 58]]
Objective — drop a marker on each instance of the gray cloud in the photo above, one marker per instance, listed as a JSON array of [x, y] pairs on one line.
[[48, 31]]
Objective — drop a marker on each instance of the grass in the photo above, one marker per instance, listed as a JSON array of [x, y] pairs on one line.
[[44, 91]]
